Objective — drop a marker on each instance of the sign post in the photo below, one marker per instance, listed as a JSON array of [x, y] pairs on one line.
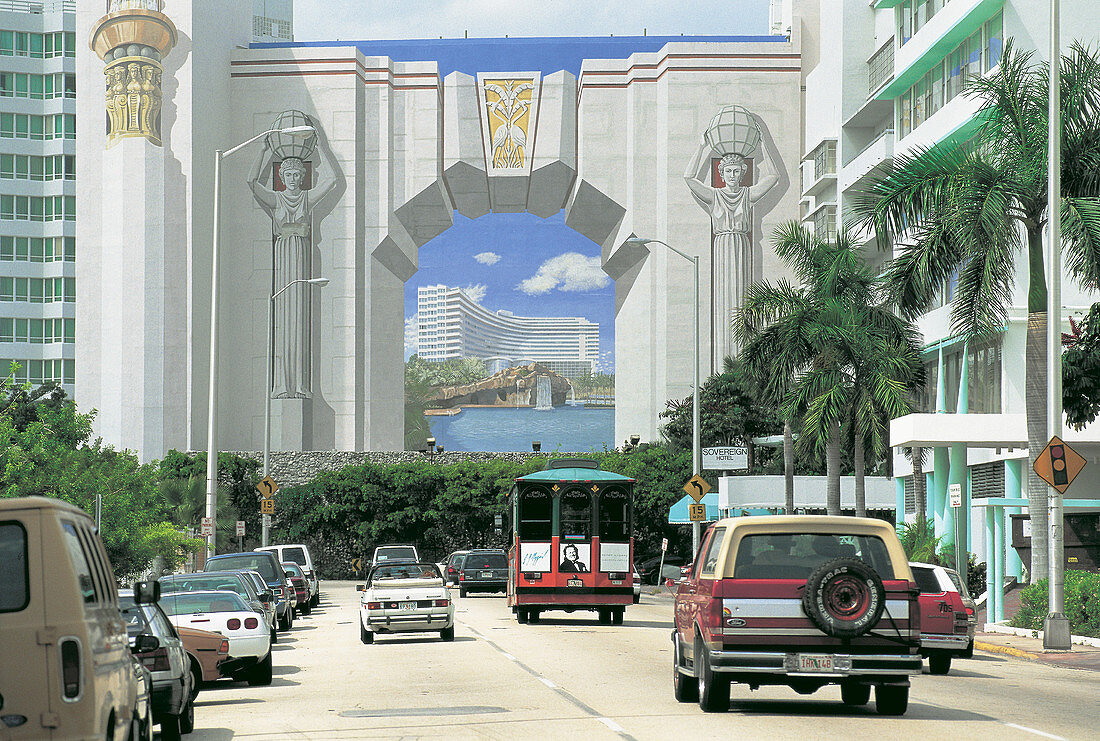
[[954, 494]]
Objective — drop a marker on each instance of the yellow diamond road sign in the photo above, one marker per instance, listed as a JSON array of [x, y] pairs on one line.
[[696, 487], [267, 487]]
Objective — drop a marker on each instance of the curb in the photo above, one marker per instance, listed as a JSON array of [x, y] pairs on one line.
[[1007, 650]]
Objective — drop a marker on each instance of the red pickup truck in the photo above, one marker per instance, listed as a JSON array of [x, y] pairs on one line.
[[802, 601]]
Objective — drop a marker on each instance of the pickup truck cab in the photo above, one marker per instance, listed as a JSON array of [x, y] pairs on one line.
[[797, 600]]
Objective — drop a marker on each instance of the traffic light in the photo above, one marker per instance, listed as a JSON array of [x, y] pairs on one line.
[[1058, 471]]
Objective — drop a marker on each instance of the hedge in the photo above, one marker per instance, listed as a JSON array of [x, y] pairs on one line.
[[1082, 591]]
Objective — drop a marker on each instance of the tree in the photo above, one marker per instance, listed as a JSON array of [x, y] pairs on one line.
[[852, 359], [1081, 373], [967, 209]]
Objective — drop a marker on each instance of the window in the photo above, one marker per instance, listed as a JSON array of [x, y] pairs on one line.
[[79, 562], [926, 580], [994, 41], [796, 555], [710, 558], [14, 577], [614, 515], [535, 510], [576, 515]]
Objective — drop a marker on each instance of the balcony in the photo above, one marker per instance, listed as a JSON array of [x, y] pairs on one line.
[[819, 169], [870, 161]]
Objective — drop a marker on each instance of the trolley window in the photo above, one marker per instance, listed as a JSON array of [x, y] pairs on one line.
[[576, 515], [535, 513], [614, 522]]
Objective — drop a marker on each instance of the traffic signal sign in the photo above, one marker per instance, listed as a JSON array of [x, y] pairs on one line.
[[1058, 472], [1058, 464]]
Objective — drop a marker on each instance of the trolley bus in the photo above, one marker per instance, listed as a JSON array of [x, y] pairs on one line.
[[572, 541]]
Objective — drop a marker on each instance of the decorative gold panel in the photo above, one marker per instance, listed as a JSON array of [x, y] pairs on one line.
[[508, 106]]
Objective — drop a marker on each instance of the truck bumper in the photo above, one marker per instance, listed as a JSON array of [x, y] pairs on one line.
[[844, 665]]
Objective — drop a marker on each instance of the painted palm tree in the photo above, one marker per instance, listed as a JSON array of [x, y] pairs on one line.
[[967, 210], [831, 351]]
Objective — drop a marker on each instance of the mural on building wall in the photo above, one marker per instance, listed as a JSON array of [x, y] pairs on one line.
[[726, 192], [508, 104], [291, 204]]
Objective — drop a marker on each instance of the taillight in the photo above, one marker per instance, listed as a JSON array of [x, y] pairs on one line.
[[281, 591], [374, 605], [156, 661], [462, 576], [969, 610], [440, 602], [70, 669], [714, 615], [251, 623], [233, 624], [224, 648]]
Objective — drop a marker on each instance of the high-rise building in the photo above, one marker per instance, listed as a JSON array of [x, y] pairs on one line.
[[452, 325], [37, 190], [272, 20]]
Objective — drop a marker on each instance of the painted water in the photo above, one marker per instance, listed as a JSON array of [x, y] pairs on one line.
[[569, 429]]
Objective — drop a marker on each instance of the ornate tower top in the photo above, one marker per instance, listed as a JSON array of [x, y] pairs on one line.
[[132, 39]]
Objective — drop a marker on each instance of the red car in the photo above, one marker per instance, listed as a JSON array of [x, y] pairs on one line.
[[947, 622], [301, 588]]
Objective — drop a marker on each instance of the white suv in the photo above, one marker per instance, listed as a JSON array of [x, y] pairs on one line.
[[299, 554]]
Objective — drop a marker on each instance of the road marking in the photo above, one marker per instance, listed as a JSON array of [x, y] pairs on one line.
[[615, 727], [1037, 733]]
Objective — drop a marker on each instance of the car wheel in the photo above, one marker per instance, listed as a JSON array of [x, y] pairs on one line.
[[306, 609], [684, 688], [260, 675], [196, 678], [637, 599], [365, 635], [891, 699], [714, 689], [170, 728], [274, 636], [315, 600], [605, 616], [939, 662], [969, 652], [617, 616], [844, 598], [447, 634], [854, 693], [462, 591], [533, 616], [187, 717], [521, 616]]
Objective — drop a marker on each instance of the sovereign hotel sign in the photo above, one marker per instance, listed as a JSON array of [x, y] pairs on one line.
[[726, 459]]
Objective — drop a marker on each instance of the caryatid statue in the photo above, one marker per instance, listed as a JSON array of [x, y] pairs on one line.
[[734, 135], [291, 211]]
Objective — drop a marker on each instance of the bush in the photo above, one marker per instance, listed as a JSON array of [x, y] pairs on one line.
[[1082, 590]]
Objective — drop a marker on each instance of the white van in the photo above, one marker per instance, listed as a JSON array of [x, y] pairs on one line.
[[67, 671], [299, 554]]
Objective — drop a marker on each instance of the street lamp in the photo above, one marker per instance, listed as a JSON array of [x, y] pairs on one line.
[[266, 518], [696, 450], [211, 446], [536, 446], [429, 448]]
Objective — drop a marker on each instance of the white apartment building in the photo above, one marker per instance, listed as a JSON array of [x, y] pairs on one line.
[[452, 325], [889, 80], [37, 190]]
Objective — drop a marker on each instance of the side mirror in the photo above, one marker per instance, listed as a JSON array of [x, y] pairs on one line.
[[265, 596], [144, 643], [147, 592], [360, 587]]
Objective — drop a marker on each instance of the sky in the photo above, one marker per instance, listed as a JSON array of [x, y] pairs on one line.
[[411, 19]]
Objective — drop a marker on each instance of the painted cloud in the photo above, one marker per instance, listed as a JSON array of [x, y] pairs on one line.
[[571, 271], [487, 258]]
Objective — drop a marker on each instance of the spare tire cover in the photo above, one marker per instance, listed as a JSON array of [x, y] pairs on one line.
[[844, 598]]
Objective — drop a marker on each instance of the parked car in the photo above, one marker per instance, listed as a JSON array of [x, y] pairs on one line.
[[451, 566], [299, 554], [233, 581], [269, 567], [797, 600], [267, 599], [947, 623], [302, 596], [483, 570], [174, 685], [637, 583], [394, 554], [226, 613], [59, 615], [207, 651], [405, 598], [141, 727], [650, 566]]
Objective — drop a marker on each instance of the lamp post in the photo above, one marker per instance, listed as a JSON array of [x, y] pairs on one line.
[[211, 447], [696, 449], [266, 518]]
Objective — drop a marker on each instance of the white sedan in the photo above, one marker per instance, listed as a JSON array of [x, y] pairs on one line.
[[226, 613], [405, 598]]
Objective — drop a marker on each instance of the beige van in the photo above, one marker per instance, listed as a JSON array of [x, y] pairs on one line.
[[65, 665]]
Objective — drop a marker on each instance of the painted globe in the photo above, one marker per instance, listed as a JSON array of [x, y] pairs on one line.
[[733, 131], [292, 145]]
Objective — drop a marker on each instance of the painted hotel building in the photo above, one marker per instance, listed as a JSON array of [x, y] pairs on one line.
[[452, 325]]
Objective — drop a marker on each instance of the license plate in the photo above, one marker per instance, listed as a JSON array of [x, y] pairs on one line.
[[815, 663], [407, 606], [486, 574], [617, 582], [575, 583]]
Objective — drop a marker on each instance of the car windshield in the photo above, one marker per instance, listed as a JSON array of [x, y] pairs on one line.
[[261, 562], [405, 571], [297, 555], [486, 561], [796, 555], [203, 583], [186, 603], [396, 553]]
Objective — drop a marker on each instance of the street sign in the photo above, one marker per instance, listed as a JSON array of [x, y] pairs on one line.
[[207, 526], [356, 563], [664, 544], [726, 459], [240, 528], [696, 487], [955, 492], [267, 487], [697, 512], [267, 506], [1058, 464]]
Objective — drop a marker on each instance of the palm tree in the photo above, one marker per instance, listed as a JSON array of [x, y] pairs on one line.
[[968, 209], [831, 351], [185, 500]]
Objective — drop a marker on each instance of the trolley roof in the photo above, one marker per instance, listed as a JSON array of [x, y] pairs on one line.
[[574, 474]]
